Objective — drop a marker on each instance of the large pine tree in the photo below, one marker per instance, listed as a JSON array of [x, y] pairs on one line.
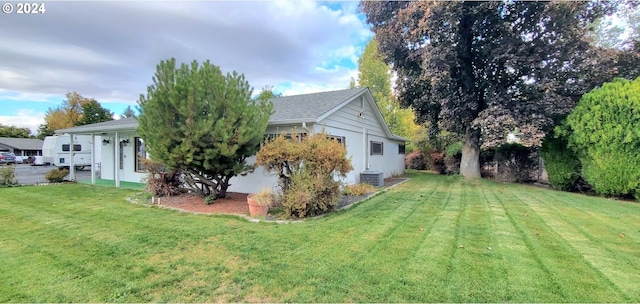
[[202, 122], [481, 69]]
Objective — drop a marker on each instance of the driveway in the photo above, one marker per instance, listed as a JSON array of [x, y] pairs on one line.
[[29, 175]]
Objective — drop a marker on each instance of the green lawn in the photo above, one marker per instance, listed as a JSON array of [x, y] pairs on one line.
[[432, 239]]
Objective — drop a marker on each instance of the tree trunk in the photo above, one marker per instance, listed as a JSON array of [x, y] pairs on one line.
[[470, 163]]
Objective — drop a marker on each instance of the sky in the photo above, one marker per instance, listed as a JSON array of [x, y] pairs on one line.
[[108, 50]]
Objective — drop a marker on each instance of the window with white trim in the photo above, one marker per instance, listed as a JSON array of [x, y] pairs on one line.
[[340, 139], [376, 148]]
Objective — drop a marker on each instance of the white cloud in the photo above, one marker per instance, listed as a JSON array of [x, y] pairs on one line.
[[110, 50], [24, 118]]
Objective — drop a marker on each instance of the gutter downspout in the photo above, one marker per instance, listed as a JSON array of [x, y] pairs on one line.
[[304, 126]]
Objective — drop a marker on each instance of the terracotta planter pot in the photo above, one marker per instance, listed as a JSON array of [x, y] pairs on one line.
[[256, 210]]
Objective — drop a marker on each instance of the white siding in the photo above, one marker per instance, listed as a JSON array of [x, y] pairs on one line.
[[108, 162], [346, 122], [359, 133]]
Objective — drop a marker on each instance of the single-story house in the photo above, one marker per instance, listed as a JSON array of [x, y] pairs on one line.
[[350, 116], [21, 146]]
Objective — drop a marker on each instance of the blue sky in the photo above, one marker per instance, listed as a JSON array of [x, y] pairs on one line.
[[108, 50]]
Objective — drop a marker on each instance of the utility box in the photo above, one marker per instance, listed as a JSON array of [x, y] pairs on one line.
[[374, 178]]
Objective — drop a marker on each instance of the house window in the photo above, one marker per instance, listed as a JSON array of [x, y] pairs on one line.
[[268, 137], [141, 154], [65, 147], [401, 148], [377, 148], [340, 139]]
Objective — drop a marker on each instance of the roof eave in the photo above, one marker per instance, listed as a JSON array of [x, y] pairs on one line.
[[93, 130], [280, 122]]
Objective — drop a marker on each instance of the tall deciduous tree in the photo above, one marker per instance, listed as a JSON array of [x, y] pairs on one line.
[[15, 132], [481, 69], [93, 112], [202, 122], [374, 74], [72, 113]]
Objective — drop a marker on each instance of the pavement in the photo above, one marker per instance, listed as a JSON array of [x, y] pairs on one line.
[[29, 175]]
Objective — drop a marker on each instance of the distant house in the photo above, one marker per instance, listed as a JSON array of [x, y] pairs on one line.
[[350, 116], [21, 146]]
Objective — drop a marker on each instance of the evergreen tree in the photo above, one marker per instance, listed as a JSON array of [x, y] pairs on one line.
[[128, 112], [202, 122]]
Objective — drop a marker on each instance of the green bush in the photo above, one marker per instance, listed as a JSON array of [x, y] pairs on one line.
[[56, 175], [561, 163], [453, 157], [606, 135], [8, 177]]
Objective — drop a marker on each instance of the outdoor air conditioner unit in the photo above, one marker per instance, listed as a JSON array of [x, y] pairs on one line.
[[374, 178]]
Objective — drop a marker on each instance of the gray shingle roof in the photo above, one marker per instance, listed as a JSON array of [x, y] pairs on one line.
[[309, 107], [22, 143], [112, 125]]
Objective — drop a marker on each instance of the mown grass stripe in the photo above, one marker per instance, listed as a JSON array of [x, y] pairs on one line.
[[92, 246], [619, 269], [547, 284], [574, 274]]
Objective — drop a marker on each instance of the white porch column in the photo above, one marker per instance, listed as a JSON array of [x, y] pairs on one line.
[[93, 159], [116, 160]]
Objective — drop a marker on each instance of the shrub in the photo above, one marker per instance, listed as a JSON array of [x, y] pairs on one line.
[[162, 181], [209, 199], [415, 160], [436, 162], [515, 162], [56, 175], [359, 189], [310, 194], [561, 163], [306, 170], [453, 157], [8, 177], [605, 135]]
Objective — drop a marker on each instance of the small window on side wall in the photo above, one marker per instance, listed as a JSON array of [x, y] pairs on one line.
[[377, 148], [401, 148]]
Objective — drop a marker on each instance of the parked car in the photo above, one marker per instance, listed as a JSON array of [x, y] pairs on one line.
[[7, 158]]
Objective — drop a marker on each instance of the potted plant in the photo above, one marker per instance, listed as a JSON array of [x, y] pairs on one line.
[[259, 203]]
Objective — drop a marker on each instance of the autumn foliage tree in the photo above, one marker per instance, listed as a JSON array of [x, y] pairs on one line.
[[202, 122], [375, 74], [480, 69], [76, 110]]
